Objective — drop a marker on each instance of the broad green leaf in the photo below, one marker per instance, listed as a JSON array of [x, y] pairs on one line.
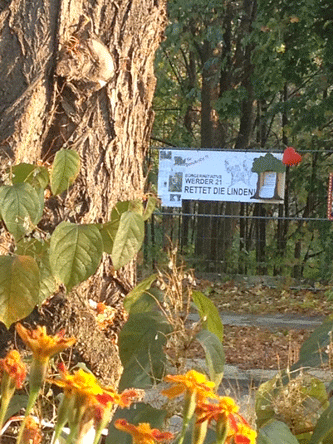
[[323, 432], [128, 240], [39, 250], [134, 295], [208, 312], [312, 352], [150, 207], [21, 208], [17, 403], [148, 301], [109, 229], [215, 357], [141, 343], [136, 206], [108, 232], [136, 414], [19, 287], [119, 209], [65, 169], [37, 176], [75, 252], [129, 205], [276, 432]]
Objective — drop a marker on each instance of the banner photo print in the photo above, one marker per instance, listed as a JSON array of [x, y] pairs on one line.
[[234, 176]]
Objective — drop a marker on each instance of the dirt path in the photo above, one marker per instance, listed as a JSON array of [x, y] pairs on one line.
[[251, 347]]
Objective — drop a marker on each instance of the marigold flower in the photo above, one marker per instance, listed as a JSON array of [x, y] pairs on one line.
[[13, 373], [42, 345], [80, 383], [192, 382], [243, 435], [31, 433], [14, 367], [223, 409], [123, 399], [142, 433]]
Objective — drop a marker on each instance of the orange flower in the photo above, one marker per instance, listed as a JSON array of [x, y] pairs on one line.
[[80, 383], [14, 367], [142, 433], [31, 433], [123, 399], [191, 383], [230, 425], [223, 409], [13, 374], [42, 345], [243, 435]]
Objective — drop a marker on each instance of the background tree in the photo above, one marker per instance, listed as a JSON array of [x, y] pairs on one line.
[[269, 67], [79, 74]]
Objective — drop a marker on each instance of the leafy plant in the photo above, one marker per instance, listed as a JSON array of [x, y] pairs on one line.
[[298, 398], [69, 254]]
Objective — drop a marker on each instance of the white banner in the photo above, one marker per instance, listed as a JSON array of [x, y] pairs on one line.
[[234, 176]]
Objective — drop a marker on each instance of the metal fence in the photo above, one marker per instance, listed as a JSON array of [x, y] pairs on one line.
[[250, 238]]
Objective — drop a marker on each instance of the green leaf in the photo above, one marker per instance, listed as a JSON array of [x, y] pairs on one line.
[[215, 357], [141, 343], [65, 169], [150, 207], [134, 295], [17, 403], [119, 209], [108, 232], [207, 310], [136, 414], [21, 208], [75, 252], [128, 240], [39, 250], [324, 428], [109, 229], [276, 432], [37, 176], [19, 287], [148, 301], [312, 352]]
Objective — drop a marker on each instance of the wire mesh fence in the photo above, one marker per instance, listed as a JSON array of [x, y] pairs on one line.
[[290, 239]]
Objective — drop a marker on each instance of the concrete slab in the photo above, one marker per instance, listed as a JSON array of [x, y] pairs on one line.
[[272, 322]]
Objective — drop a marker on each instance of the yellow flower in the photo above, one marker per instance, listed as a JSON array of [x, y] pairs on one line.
[[42, 345], [192, 382], [223, 409], [13, 372], [243, 434], [142, 433], [80, 383], [14, 368], [31, 433], [124, 399]]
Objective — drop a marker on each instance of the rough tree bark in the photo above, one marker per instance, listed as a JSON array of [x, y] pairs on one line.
[[58, 91]]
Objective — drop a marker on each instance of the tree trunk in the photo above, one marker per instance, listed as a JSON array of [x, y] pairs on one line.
[[79, 74]]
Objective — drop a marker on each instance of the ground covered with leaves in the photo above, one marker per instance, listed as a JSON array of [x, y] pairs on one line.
[[255, 347]]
